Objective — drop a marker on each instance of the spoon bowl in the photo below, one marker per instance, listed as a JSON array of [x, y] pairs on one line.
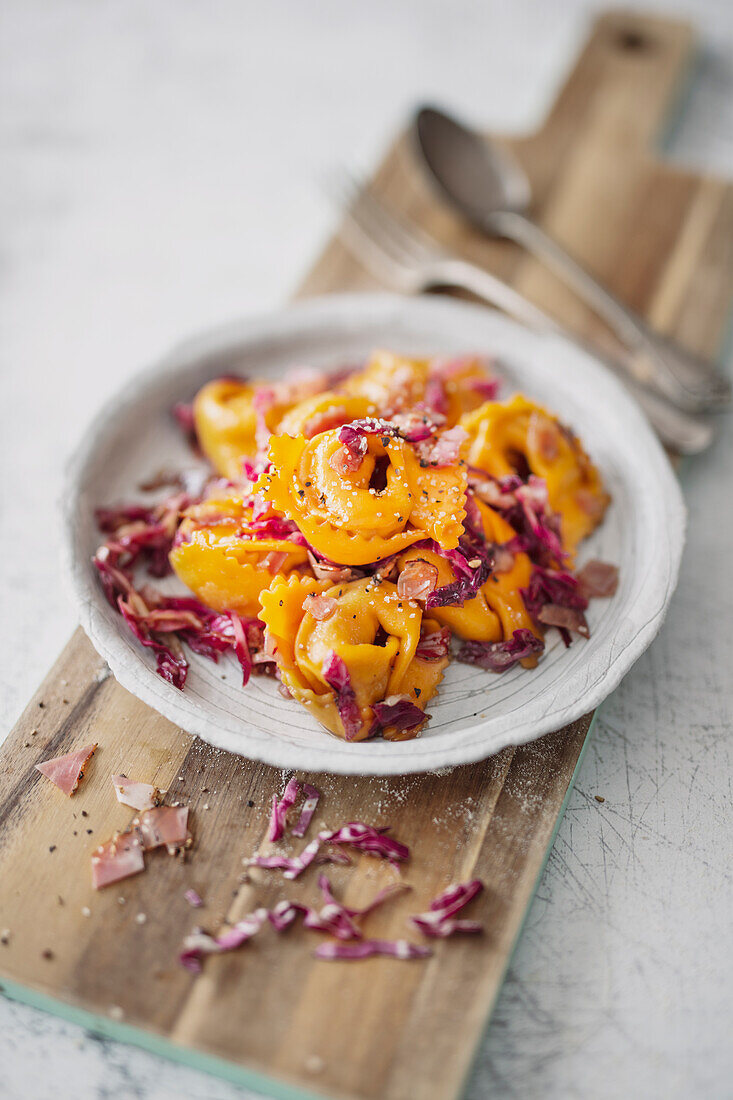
[[476, 174]]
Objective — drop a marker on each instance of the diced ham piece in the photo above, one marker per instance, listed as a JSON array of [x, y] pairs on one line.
[[162, 825], [320, 607], [274, 561], [592, 504], [503, 559], [543, 437], [417, 580], [329, 571], [598, 579], [117, 859], [416, 427], [346, 461], [324, 421], [445, 450], [139, 796], [67, 771], [490, 492], [565, 618]]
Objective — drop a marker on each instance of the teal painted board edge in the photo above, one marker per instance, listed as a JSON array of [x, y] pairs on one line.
[[155, 1044], [535, 888], [220, 1067]]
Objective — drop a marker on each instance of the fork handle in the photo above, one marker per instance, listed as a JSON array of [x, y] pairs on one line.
[[688, 379], [678, 429]]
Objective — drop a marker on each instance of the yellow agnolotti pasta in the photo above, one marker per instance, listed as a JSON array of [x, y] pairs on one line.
[[222, 557], [344, 516], [342, 649], [323, 411], [507, 436], [233, 417], [397, 383], [226, 424]]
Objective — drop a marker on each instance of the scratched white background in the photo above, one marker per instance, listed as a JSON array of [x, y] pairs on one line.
[[160, 168]]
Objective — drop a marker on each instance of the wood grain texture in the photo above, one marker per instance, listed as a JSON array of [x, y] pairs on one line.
[[663, 239]]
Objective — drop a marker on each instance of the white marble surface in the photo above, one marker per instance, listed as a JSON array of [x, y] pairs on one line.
[[160, 168]]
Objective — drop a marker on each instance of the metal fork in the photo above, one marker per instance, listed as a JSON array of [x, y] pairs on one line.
[[402, 255]]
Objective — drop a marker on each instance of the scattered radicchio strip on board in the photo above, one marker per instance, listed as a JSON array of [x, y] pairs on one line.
[[364, 949], [290, 866], [338, 919], [333, 918], [440, 920], [278, 818], [199, 943], [367, 839], [312, 796], [500, 656]]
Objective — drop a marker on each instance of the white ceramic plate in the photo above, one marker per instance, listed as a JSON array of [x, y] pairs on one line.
[[476, 713]]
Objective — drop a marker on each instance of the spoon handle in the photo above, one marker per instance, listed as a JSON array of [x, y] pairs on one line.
[[679, 430], [688, 379]]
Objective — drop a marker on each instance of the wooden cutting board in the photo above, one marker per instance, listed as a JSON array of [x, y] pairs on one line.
[[269, 1015]]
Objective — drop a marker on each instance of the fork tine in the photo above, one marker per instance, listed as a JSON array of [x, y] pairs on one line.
[[361, 212], [368, 242], [416, 245]]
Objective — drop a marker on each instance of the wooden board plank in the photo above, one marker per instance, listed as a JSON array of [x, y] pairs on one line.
[[664, 241]]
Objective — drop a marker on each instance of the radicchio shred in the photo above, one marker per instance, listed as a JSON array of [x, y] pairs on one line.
[[278, 818], [500, 656], [336, 675], [312, 796], [364, 949], [440, 920]]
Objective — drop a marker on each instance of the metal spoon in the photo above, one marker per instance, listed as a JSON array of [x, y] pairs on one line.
[[491, 190]]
